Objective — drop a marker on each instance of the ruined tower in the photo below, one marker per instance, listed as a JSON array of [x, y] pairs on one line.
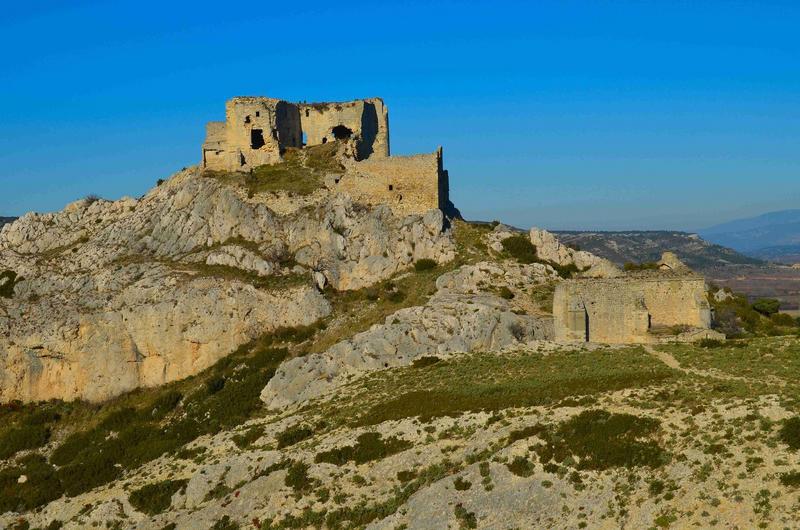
[[258, 131]]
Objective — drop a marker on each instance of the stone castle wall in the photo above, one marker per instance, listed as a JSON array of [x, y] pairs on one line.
[[258, 130], [409, 184], [626, 309], [365, 121]]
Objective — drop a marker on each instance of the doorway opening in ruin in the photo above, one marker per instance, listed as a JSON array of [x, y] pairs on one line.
[[256, 138], [586, 326], [324, 140], [340, 132]]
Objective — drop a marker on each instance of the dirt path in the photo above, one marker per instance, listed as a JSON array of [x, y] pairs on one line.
[[673, 363]]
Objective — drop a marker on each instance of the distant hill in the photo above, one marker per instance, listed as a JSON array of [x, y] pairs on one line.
[[6, 220], [641, 246], [773, 236]]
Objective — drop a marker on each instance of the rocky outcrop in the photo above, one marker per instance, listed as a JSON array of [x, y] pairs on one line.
[[548, 248], [466, 314], [112, 295]]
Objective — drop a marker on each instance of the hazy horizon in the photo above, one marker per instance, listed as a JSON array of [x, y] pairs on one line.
[[563, 115]]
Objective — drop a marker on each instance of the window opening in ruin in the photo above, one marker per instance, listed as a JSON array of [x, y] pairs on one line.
[[306, 113], [305, 139], [391, 187], [247, 119], [324, 140], [340, 132], [275, 134], [258, 114], [241, 159], [256, 138]]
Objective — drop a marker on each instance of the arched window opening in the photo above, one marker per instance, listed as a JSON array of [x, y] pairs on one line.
[[340, 132]]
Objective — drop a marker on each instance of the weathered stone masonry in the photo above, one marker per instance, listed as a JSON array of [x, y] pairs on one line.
[[258, 130], [628, 308]]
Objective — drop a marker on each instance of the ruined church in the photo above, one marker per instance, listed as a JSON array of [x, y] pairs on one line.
[[259, 131]]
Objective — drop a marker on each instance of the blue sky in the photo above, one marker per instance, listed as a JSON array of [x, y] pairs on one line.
[[564, 114]]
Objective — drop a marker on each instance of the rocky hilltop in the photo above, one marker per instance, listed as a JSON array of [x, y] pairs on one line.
[[107, 296], [308, 344]]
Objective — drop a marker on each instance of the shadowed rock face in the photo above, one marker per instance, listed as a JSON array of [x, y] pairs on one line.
[[110, 296]]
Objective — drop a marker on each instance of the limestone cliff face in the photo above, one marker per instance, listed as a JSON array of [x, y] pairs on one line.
[[109, 296], [462, 316]]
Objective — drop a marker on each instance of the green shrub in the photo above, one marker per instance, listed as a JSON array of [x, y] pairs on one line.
[[226, 523], [425, 361], [405, 476], [247, 438], [424, 264], [790, 479], [41, 487], [396, 296], [165, 404], [602, 440], [521, 467], [369, 446], [520, 248], [645, 266], [790, 433], [461, 485], [465, 519], [215, 384], [565, 271], [767, 306], [21, 438], [8, 279], [297, 478], [656, 487], [710, 343], [506, 293], [293, 435], [526, 432], [155, 498], [782, 319]]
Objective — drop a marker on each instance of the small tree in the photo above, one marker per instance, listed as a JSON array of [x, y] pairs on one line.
[[767, 306]]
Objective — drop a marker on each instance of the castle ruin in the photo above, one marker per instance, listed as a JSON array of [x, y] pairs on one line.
[[259, 130], [668, 303]]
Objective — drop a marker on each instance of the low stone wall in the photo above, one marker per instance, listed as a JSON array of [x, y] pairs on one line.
[[625, 309], [409, 184]]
